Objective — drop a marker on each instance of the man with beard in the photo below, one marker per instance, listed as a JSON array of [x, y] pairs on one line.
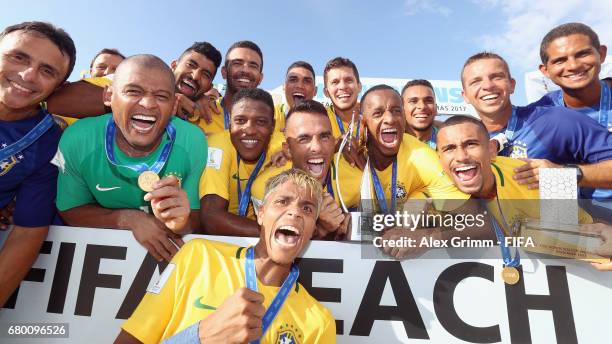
[[119, 168], [420, 111], [35, 58], [243, 68], [310, 145], [545, 136], [571, 57], [235, 158], [234, 287]]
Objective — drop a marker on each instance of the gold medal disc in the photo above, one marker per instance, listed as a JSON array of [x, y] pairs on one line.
[[510, 275], [146, 180]]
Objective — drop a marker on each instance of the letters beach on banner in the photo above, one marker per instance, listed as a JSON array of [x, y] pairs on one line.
[[93, 284]]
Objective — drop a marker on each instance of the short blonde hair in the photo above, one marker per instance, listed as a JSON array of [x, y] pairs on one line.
[[299, 178]]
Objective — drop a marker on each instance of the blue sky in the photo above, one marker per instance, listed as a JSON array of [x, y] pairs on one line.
[[396, 38]]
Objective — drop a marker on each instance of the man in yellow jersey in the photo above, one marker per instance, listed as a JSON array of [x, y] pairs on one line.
[[105, 62], [299, 86], [243, 68], [194, 72], [235, 158], [470, 159], [420, 110], [342, 87], [310, 145], [416, 165], [214, 292]]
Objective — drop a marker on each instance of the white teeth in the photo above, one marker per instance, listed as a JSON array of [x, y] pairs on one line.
[[315, 161], [190, 83], [289, 228], [249, 142], [464, 168], [298, 95], [244, 80], [342, 96], [21, 88], [144, 118], [490, 96], [389, 131]]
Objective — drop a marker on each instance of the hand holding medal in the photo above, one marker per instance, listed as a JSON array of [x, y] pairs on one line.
[[168, 201]]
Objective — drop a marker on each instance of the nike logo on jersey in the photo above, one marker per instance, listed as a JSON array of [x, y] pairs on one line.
[[235, 176], [99, 188], [199, 304]]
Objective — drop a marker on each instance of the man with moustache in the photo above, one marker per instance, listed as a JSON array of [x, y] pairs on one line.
[[35, 58], [217, 292], [310, 145], [235, 158], [571, 57], [544, 136], [420, 110], [137, 168]]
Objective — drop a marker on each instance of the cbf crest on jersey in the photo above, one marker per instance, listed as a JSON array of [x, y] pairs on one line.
[[7, 164], [518, 150], [289, 334]]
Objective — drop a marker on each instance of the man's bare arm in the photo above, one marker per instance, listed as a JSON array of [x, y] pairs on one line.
[[218, 221], [126, 338], [77, 99], [19, 252]]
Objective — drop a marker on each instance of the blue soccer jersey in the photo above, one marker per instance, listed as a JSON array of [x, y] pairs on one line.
[[602, 113], [28, 176]]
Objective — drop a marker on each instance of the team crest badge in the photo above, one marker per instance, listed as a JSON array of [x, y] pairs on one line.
[[518, 150], [7, 164], [288, 334], [401, 191]]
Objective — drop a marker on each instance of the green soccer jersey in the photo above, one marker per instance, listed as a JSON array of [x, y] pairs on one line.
[[88, 177]]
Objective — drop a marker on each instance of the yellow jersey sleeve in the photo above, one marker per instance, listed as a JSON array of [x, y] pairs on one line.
[[99, 81], [350, 183], [420, 168], [220, 166], [280, 113], [218, 121]]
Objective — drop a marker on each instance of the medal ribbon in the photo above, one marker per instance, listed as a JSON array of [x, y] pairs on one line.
[[509, 132], [380, 194], [244, 198], [45, 124], [604, 103], [507, 257], [341, 125], [432, 140], [226, 116], [281, 296], [141, 167]]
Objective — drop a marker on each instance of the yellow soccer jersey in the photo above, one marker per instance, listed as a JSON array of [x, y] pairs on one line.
[[218, 121], [221, 174], [357, 128], [202, 275], [418, 170], [517, 201], [259, 185], [280, 114]]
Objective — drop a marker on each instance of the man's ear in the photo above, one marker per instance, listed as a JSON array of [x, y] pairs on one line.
[[173, 65], [603, 51], [492, 149], [107, 95], [512, 85], [260, 213], [286, 150], [326, 93], [224, 72], [544, 70]]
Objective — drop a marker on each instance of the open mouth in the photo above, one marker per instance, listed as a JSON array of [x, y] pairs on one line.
[[344, 97], [249, 143], [143, 124], [466, 173], [298, 97], [188, 87], [316, 166], [389, 136], [490, 98], [576, 76], [287, 236]]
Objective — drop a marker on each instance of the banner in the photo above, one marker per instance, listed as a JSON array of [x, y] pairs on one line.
[[448, 93], [92, 279]]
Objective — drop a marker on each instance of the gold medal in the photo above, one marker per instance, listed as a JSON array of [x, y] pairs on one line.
[[510, 275], [146, 180]]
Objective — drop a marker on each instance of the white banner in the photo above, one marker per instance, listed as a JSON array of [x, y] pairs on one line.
[[448, 93], [92, 279]]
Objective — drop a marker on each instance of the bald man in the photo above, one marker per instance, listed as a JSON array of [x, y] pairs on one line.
[[137, 168]]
